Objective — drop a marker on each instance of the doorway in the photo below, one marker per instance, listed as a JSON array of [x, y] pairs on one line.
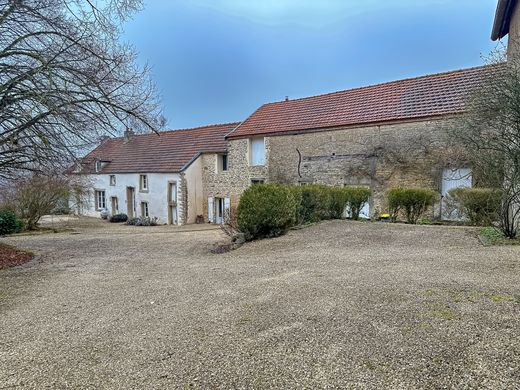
[[219, 210], [130, 203], [115, 205]]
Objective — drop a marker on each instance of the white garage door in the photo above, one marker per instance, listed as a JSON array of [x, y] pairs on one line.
[[456, 178]]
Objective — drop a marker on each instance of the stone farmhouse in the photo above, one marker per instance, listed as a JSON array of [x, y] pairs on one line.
[[379, 136]]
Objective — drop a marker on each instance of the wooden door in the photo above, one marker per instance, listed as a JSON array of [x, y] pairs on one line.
[[130, 192]]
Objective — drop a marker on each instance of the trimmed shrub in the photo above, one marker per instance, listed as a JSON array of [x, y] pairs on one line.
[[9, 223], [356, 198], [117, 218], [320, 202], [413, 202], [339, 198], [480, 205], [267, 210], [147, 221], [315, 203]]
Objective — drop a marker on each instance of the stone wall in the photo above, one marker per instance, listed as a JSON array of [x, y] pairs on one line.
[[236, 179], [380, 157], [406, 154]]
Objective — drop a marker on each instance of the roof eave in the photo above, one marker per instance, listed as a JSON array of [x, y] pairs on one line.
[[348, 126], [503, 16]]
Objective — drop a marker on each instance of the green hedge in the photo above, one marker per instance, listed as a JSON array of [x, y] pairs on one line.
[[481, 205], [413, 202], [269, 210], [266, 210], [357, 197], [9, 223]]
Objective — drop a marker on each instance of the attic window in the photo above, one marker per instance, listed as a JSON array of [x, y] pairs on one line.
[[100, 164]]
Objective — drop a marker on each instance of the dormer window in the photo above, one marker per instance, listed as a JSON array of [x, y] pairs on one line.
[[99, 165]]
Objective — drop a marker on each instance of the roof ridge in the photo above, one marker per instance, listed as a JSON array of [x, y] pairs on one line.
[[430, 75], [174, 130], [201, 127]]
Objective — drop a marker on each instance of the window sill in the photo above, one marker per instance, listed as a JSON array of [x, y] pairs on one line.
[[144, 191]]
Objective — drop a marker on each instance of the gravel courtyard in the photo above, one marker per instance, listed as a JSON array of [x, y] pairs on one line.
[[337, 305]]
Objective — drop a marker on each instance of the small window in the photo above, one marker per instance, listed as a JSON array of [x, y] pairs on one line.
[[172, 192], [257, 181], [144, 210], [112, 180], [143, 183], [99, 166], [257, 151], [101, 202], [222, 162]]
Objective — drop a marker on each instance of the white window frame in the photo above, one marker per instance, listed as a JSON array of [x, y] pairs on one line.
[[112, 180], [220, 162], [100, 202], [99, 166], [144, 185], [145, 210], [253, 161], [172, 192]]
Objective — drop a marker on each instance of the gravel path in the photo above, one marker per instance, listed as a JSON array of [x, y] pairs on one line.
[[337, 305]]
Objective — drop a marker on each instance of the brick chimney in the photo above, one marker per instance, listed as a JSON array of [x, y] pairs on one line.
[[129, 134]]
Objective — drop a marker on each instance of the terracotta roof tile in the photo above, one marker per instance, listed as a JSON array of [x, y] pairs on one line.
[[167, 151], [421, 97]]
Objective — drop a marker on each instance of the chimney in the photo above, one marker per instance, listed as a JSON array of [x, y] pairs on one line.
[[287, 98], [102, 139], [129, 133]]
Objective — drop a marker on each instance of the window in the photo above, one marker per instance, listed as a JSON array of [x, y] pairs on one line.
[[257, 151], [172, 192], [222, 162], [101, 202], [100, 164], [112, 180], [257, 181], [144, 210], [143, 183]]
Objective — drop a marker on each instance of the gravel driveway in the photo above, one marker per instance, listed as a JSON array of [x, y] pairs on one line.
[[337, 305]]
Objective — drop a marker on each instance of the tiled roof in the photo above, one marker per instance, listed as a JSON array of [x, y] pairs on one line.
[[167, 151], [421, 97]]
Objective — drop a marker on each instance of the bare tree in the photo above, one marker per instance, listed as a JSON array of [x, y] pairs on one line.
[[489, 131], [33, 196], [65, 80]]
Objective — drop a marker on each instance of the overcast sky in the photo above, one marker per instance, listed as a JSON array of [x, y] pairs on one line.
[[216, 61]]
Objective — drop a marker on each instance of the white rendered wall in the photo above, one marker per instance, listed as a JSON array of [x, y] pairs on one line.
[[156, 196]]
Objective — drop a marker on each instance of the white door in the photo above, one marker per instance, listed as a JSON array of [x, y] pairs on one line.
[[219, 210], [365, 211], [227, 208], [211, 209], [454, 178]]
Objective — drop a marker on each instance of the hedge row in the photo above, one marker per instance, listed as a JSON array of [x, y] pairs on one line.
[[480, 205], [412, 202], [270, 210]]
